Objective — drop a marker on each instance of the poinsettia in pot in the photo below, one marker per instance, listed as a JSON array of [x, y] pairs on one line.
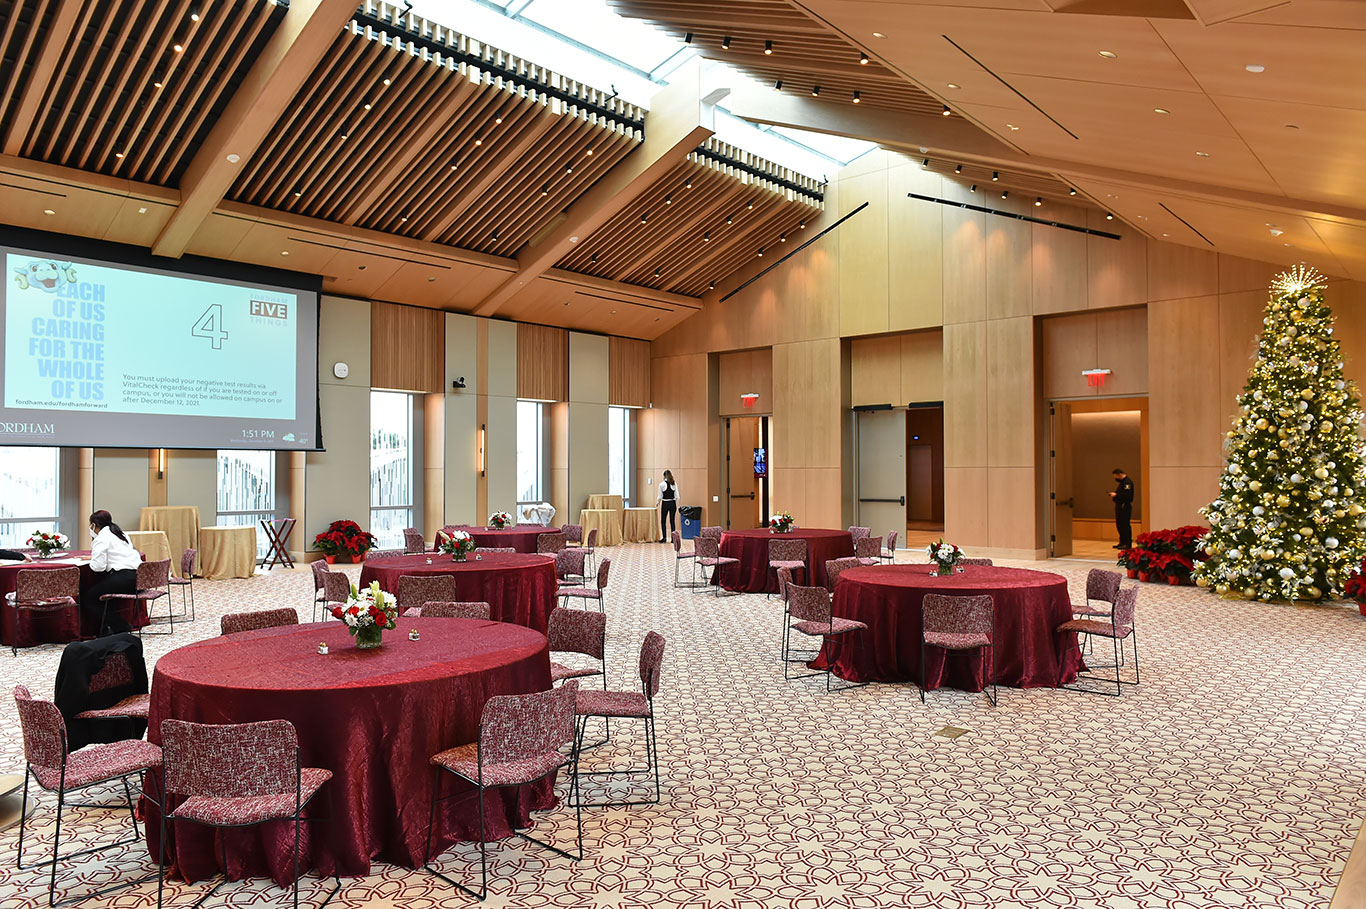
[[945, 557], [781, 522], [500, 520], [47, 543], [344, 541], [458, 544], [1356, 586], [368, 614]]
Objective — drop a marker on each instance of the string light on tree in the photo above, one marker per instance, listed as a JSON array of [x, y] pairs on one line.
[[1288, 522]]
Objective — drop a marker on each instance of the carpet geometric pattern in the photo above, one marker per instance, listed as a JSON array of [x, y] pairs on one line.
[[1234, 776]]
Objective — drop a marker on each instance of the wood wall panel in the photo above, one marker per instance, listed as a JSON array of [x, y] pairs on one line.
[[1069, 346], [863, 246], [1122, 347], [1117, 270], [542, 363], [1059, 270], [922, 367], [628, 372], [915, 235], [407, 348], [1183, 374], [1010, 404], [965, 395], [1009, 269], [1177, 272], [875, 370], [965, 265], [1010, 509], [745, 372], [1113, 339]]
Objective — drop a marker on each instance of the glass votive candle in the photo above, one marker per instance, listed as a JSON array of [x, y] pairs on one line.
[[322, 648]]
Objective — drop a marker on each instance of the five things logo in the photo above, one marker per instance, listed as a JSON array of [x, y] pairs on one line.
[[270, 310], [47, 275]]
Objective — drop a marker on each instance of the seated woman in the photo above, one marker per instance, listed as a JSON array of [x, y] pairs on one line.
[[115, 563], [10, 555]]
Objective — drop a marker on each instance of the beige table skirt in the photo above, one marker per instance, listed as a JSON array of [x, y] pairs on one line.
[[603, 500], [607, 521], [640, 525], [227, 552], [154, 546], [181, 524]]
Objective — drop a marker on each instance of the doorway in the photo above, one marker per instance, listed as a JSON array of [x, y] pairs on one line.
[[924, 473], [747, 472], [1088, 439], [899, 484]]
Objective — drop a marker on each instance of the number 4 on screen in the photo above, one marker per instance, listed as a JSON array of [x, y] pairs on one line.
[[210, 325]]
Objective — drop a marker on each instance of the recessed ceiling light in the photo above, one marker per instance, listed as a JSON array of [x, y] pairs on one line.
[[954, 85], [431, 279], [367, 106], [1012, 127], [1201, 154], [878, 35], [48, 211], [233, 159], [1166, 235], [194, 17], [1276, 232], [284, 252], [118, 154], [156, 85], [1255, 68], [1161, 110], [1291, 126], [388, 81], [361, 267], [1109, 55], [178, 49], [142, 210]]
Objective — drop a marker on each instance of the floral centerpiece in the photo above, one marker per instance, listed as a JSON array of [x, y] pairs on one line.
[[1355, 587], [456, 543], [781, 522], [344, 540], [500, 520], [945, 557], [368, 614], [47, 543]]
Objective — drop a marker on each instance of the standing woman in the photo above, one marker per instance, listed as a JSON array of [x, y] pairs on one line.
[[115, 563], [666, 497]]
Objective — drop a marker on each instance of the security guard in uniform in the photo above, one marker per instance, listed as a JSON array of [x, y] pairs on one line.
[[1124, 507]]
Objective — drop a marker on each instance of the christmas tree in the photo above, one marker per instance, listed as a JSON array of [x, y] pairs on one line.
[[1287, 524]]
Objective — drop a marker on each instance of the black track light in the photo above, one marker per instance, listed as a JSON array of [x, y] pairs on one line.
[[1071, 191], [1004, 193], [815, 90], [750, 206], [725, 43], [1109, 216], [687, 184], [569, 168], [494, 235], [711, 286], [1038, 201], [644, 216], [925, 162], [778, 85], [802, 225], [972, 188], [589, 150], [545, 190], [687, 38], [958, 169], [706, 236], [593, 258], [995, 175], [782, 238], [856, 97], [761, 252], [768, 48], [946, 112], [728, 219], [298, 191], [658, 272], [863, 58], [668, 200]]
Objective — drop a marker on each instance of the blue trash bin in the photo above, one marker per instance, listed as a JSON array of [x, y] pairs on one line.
[[690, 522]]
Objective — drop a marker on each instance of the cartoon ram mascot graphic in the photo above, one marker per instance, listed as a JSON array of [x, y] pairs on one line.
[[47, 275]]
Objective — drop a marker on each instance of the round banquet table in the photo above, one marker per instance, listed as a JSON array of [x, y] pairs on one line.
[[26, 628], [753, 575], [1030, 605], [372, 717], [519, 588], [521, 537]]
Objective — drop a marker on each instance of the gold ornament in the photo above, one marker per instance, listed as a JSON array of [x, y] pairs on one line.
[[1313, 592], [1221, 589], [1202, 582]]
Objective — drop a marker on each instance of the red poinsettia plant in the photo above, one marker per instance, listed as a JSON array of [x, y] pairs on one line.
[[344, 538], [1355, 588], [1166, 553]]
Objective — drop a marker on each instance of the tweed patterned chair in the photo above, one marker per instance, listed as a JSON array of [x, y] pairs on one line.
[[784, 582], [578, 631], [978, 562], [1101, 586], [591, 593], [569, 565], [712, 532], [186, 584], [496, 549], [413, 540], [787, 553], [707, 551], [234, 622], [629, 705], [116, 672], [550, 543], [237, 775], [868, 551], [588, 547], [330, 588], [376, 555], [446, 610], [834, 567], [573, 533], [958, 623], [1119, 625], [416, 589], [810, 612], [48, 763], [680, 557], [520, 741], [857, 533], [889, 554], [45, 590], [153, 583]]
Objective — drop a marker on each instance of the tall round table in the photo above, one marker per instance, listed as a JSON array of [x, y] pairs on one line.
[[372, 717], [1030, 605], [521, 537], [519, 588], [753, 575], [25, 628]]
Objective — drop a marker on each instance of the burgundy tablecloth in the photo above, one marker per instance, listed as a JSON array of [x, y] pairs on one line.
[[1030, 605], [521, 537], [519, 588], [372, 717], [25, 627], [752, 575]]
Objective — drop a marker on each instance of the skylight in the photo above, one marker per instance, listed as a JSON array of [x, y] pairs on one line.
[[587, 41]]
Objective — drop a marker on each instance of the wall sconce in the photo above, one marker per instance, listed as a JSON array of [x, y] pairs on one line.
[[482, 436], [161, 463]]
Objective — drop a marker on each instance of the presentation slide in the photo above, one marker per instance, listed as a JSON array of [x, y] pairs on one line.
[[103, 354]]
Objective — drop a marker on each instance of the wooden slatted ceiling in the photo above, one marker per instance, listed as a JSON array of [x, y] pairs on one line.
[[446, 152], [678, 219], [805, 53], [103, 110], [22, 25]]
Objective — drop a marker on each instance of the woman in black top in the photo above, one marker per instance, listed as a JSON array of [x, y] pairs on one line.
[[667, 499], [14, 556]]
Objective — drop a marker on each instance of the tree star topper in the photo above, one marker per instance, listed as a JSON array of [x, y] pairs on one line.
[[1298, 279]]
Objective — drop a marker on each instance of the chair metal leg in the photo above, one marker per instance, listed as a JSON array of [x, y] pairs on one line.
[[923, 671], [23, 819]]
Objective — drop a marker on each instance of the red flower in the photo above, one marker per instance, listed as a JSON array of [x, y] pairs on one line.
[[337, 612]]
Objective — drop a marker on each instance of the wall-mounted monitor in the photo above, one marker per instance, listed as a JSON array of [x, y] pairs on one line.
[[107, 353], [761, 462]]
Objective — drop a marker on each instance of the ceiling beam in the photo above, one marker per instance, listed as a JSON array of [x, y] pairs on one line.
[[682, 117], [919, 134], [291, 54], [57, 46]]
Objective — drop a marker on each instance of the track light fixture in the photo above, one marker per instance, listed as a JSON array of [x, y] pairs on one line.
[[706, 236], [298, 191], [1038, 200], [768, 48], [1004, 193], [863, 58], [958, 169], [946, 112], [1109, 216], [687, 38], [644, 216], [802, 225], [545, 190], [761, 252], [815, 90], [925, 162], [589, 150], [725, 43], [569, 168], [687, 184], [494, 235], [972, 188], [750, 206], [995, 175], [1071, 191], [593, 258], [668, 200], [728, 219], [711, 286], [778, 85], [856, 97], [658, 272]]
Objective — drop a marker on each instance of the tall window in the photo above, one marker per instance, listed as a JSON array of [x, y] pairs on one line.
[[28, 477], [619, 452], [246, 491], [391, 467], [530, 452]]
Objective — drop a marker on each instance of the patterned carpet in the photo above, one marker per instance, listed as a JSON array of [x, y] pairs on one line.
[[1234, 776]]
